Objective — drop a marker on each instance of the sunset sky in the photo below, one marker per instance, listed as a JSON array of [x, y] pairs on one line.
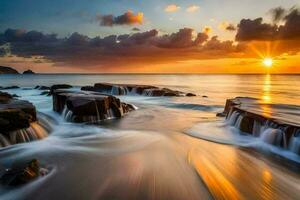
[[159, 36]]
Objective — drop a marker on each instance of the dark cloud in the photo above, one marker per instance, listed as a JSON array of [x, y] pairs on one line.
[[128, 18], [277, 14], [181, 39], [291, 28], [230, 27], [249, 30], [255, 30], [81, 50]]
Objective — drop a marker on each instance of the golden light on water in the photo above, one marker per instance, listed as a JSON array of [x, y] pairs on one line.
[[268, 62]]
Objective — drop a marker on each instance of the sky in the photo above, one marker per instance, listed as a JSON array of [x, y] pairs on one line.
[[158, 36]]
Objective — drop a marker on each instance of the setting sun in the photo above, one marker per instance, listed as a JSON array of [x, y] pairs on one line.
[[268, 62]]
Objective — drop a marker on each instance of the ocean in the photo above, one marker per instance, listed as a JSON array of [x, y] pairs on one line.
[[169, 148]]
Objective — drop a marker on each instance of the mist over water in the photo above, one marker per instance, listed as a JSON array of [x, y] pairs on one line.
[[150, 154]]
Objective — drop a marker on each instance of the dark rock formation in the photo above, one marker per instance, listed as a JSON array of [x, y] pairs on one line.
[[47, 93], [59, 86], [190, 95], [88, 106], [275, 124], [8, 70], [18, 121], [28, 72], [10, 87], [38, 87], [125, 89], [23, 173]]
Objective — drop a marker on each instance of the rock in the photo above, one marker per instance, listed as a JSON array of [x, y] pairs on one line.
[[5, 97], [88, 106], [204, 96], [125, 89], [18, 121], [16, 114], [190, 95], [47, 93], [28, 72], [221, 114], [274, 123], [59, 86], [23, 173], [8, 70], [42, 87], [10, 87]]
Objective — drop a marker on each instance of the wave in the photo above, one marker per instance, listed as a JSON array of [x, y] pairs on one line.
[[222, 133]]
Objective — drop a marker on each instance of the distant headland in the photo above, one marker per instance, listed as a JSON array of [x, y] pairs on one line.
[[11, 70]]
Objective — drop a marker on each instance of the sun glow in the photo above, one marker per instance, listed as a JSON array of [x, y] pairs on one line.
[[268, 62]]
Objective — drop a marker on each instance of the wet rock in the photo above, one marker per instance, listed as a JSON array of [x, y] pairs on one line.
[[221, 114], [274, 123], [38, 87], [16, 114], [18, 121], [190, 95], [126, 89], [59, 86], [88, 106], [47, 93], [28, 72], [23, 173], [5, 97], [204, 96], [10, 87]]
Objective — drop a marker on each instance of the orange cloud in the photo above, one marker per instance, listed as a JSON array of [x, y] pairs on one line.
[[207, 29], [192, 8], [128, 18], [172, 8]]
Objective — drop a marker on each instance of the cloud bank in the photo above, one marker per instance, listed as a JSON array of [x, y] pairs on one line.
[[151, 46]]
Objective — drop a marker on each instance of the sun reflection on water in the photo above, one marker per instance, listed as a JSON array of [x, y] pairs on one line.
[[266, 95]]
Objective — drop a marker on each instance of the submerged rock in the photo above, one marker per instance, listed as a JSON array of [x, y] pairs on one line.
[[23, 173], [88, 106], [125, 89], [276, 124]]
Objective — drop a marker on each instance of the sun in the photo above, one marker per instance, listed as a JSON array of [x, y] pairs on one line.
[[268, 62]]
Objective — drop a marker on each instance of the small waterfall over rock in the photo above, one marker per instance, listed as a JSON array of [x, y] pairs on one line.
[[67, 114], [269, 131], [274, 136], [32, 133], [257, 128], [295, 143], [4, 141]]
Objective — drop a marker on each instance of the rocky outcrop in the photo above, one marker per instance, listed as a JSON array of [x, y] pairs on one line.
[[18, 121], [22, 173], [127, 89], [10, 87], [59, 86], [8, 70], [88, 106], [28, 72], [42, 87], [275, 124]]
